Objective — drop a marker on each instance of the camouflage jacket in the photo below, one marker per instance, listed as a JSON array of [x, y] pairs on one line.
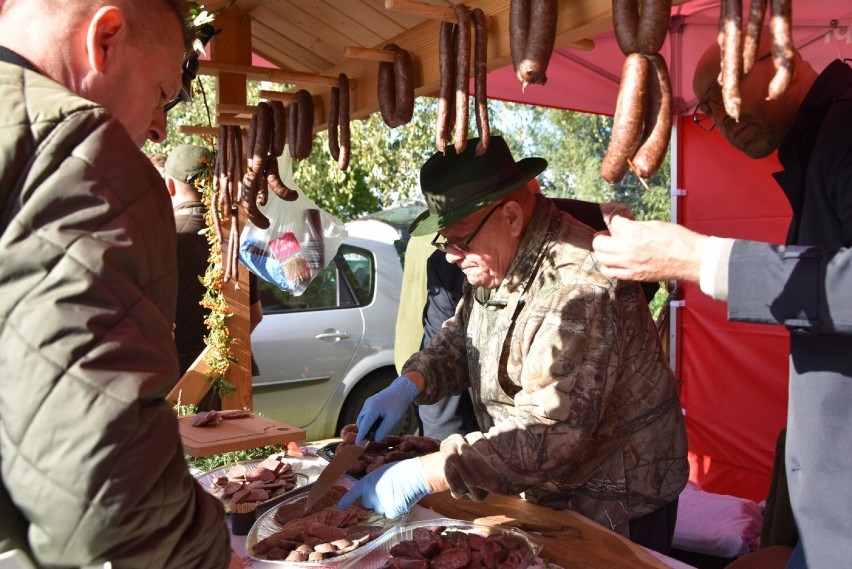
[[576, 401]]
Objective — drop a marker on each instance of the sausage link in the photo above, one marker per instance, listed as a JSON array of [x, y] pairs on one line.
[[403, 69], [279, 128], [274, 182], [293, 127], [252, 136], [305, 124], [730, 44], [625, 25], [343, 120], [333, 114], [386, 89], [264, 136], [480, 77], [446, 67], [658, 121], [628, 123], [462, 77], [262, 193], [248, 199], [519, 25], [783, 54], [653, 25], [754, 27], [541, 38]]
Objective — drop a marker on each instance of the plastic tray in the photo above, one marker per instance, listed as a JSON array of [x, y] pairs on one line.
[[266, 526], [374, 555], [307, 470]]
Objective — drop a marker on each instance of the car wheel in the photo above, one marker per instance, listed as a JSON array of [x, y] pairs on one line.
[[369, 385]]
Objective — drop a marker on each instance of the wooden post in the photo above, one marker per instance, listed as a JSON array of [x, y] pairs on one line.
[[233, 45]]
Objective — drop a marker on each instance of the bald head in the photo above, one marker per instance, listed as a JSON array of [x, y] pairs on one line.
[[125, 55], [763, 124]]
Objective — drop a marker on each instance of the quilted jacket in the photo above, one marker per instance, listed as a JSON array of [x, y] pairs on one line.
[[92, 467]]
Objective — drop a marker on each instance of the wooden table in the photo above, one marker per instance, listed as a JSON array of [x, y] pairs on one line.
[[570, 540]]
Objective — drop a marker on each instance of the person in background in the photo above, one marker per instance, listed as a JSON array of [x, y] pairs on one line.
[[92, 462], [577, 406], [158, 159], [187, 169], [431, 289], [803, 285]]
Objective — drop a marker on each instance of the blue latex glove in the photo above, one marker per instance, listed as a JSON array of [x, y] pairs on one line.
[[391, 404], [390, 490]]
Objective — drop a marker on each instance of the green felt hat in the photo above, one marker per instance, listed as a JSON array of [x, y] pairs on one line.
[[457, 185], [188, 161]]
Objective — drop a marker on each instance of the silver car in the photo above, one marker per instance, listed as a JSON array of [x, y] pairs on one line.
[[321, 354]]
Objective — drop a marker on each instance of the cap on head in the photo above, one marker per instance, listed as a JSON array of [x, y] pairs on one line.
[[457, 185], [187, 162]]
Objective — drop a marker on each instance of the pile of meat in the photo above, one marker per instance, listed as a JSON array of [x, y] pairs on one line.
[[442, 549], [389, 449], [272, 477], [323, 532]]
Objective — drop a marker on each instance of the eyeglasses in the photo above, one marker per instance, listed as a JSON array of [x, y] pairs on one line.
[[463, 246], [702, 114]]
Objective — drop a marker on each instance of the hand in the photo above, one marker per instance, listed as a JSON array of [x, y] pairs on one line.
[[648, 251], [390, 490], [391, 404]]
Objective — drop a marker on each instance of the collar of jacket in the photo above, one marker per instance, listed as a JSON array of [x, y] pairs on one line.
[[9, 56]]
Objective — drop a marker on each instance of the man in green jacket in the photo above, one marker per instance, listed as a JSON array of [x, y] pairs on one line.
[[92, 466]]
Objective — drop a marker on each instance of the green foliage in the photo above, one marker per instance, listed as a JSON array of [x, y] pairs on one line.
[[205, 463]]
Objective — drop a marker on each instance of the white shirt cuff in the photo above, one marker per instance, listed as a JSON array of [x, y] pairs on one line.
[[714, 267]]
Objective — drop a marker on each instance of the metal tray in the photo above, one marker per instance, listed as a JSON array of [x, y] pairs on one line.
[[307, 469], [266, 526]]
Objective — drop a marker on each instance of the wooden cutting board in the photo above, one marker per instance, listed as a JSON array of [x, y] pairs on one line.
[[570, 540], [235, 434]]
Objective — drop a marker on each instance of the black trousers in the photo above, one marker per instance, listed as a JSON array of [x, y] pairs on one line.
[[655, 530]]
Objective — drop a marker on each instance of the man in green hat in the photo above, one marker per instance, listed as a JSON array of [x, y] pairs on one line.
[[571, 387]]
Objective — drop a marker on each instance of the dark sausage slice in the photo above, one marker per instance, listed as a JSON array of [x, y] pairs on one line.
[[480, 76], [628, 123], [752, 36], [783, 52], [540, 41], [462, 77], [446, 68], [653, 25], [343, 120], [658, 121]]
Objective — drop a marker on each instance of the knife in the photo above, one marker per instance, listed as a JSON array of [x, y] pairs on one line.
[[341, 462]]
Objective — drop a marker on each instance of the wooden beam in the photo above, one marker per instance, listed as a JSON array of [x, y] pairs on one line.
[[267, 74], [284, 97], [231, 109]]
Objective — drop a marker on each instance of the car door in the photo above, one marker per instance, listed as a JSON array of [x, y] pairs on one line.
[[304, 344]]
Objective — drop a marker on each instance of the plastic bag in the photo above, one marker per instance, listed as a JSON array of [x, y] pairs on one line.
[[300, 241]]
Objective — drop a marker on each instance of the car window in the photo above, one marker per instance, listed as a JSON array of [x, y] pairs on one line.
[[359, 269], [322, 292], [346, 282]]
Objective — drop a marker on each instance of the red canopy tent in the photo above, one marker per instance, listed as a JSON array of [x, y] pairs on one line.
[[734, 376]]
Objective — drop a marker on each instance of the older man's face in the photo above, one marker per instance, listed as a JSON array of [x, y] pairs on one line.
[[489, 249]]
